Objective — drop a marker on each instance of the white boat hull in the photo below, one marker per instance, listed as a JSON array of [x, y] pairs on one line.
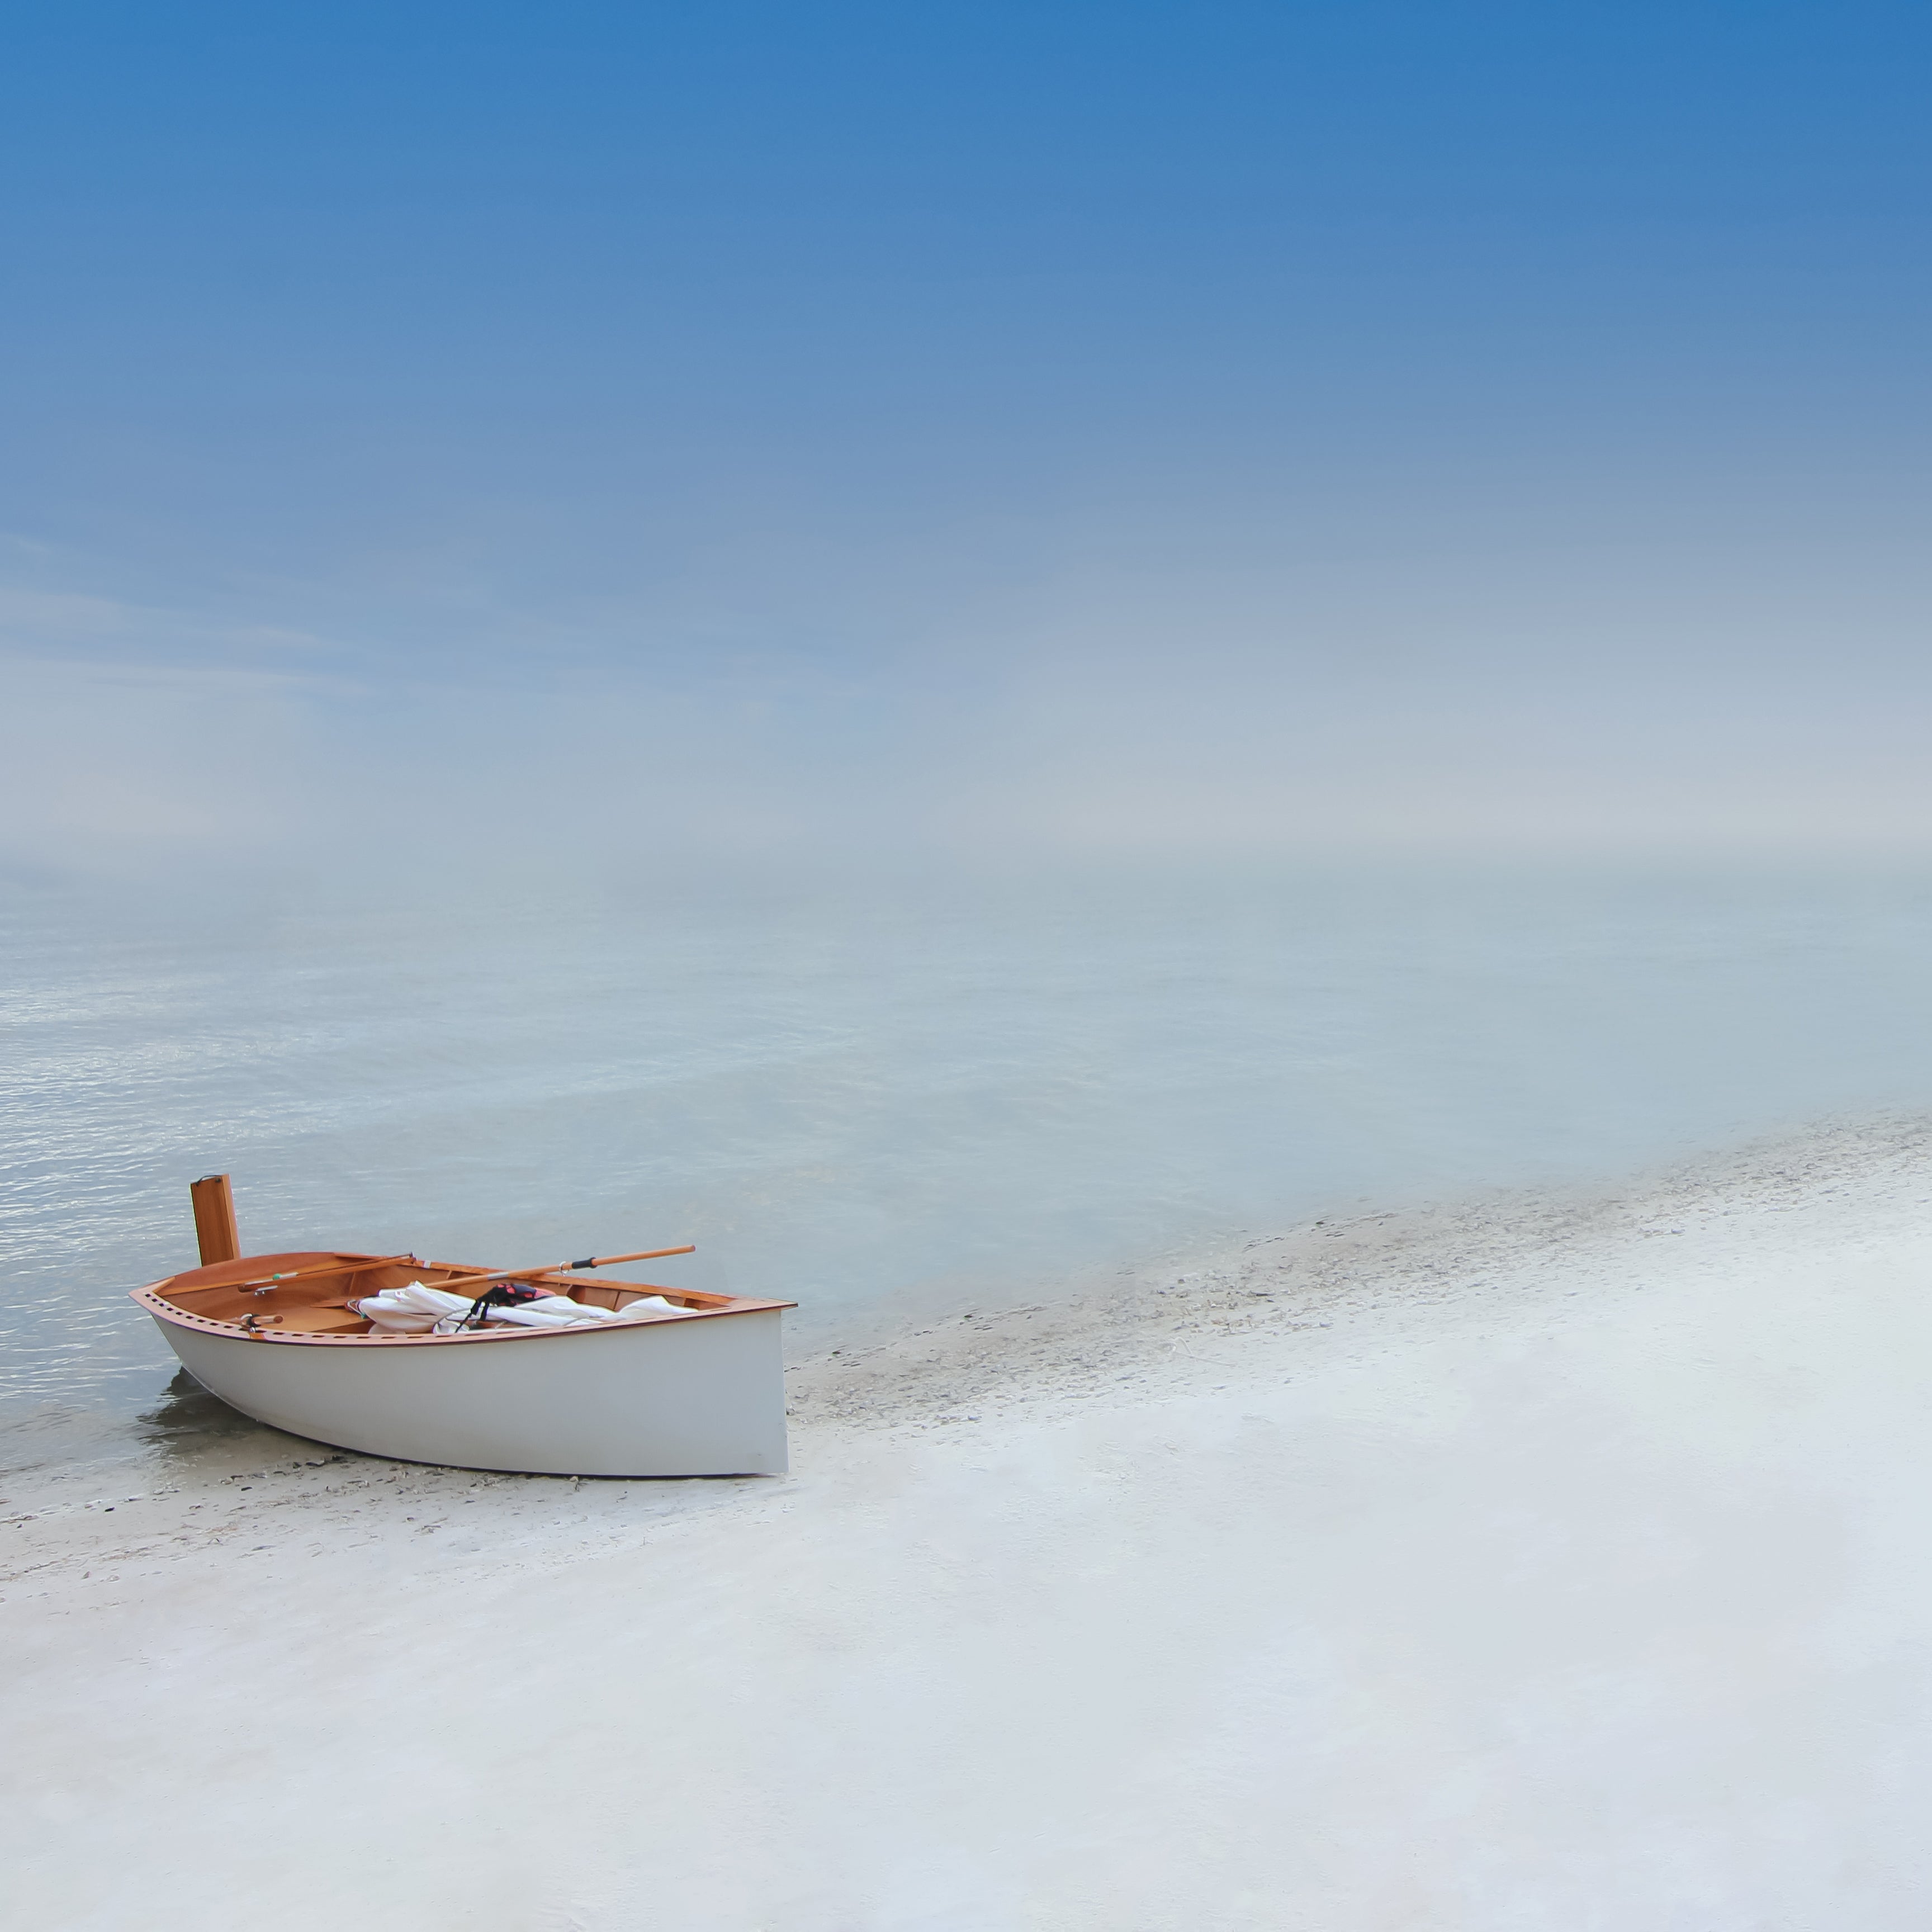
[[698, 1397]]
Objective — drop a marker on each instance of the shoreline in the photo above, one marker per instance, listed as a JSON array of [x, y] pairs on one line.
[[1466, 1256], [1309, 1566]]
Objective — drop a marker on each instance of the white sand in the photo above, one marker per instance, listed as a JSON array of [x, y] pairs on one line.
[[1553, 1566]]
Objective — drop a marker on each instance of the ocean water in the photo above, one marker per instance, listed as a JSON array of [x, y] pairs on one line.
[[880, 1097]]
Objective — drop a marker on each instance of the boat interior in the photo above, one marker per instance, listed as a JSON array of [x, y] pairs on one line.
[[308, 1292]]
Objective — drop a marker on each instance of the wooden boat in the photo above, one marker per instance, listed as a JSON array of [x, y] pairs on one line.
[[696, 1389]]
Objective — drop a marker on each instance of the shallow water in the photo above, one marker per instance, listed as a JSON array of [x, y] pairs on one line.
[[879, 1097]]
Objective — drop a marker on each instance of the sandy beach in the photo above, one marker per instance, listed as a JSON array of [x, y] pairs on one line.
[[1536, 1563]]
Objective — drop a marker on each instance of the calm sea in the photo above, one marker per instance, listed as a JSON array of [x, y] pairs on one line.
[[880, 1097]]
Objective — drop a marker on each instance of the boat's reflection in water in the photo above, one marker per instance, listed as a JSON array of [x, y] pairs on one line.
[[187, 1420]]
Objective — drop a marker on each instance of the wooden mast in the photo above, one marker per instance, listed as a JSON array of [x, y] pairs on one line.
[[215, 1219]]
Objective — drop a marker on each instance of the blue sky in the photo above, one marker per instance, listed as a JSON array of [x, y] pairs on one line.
[[1113, 426]]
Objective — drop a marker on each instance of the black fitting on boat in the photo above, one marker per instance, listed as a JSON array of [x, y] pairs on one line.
[[504, 1294], [589, 1262]]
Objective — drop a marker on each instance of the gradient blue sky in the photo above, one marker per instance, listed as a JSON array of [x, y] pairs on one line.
[[1088, 427]]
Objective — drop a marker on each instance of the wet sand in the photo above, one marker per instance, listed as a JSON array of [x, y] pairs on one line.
[[1537, 1563]]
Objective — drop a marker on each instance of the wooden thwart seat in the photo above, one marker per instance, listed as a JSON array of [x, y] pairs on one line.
[[322, 1321]]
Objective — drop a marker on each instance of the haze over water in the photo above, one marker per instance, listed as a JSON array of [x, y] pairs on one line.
[[885, 1096]]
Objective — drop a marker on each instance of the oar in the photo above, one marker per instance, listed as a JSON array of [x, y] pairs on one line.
[[558, 1267], [322, 1267]]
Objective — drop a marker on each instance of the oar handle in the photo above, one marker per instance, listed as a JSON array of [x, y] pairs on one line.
[[642, 1255], [457, 1281]]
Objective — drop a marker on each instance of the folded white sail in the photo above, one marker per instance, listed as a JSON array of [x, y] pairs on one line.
[[417, 1309]]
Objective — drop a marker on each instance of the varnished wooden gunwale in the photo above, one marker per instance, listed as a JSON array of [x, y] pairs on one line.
[[157, 1298]]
